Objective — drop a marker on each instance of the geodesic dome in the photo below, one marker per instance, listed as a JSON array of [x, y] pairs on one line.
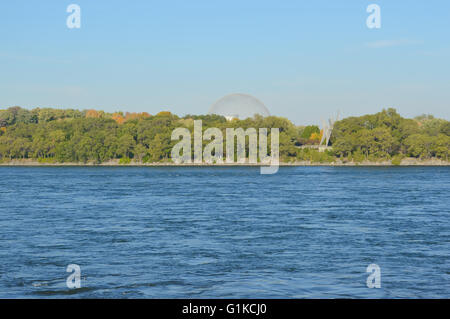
[[239, 106]]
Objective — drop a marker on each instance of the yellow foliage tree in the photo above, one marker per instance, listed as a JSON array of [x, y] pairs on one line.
[[315, 137], [118, 118], [136, 116], [93, 114]]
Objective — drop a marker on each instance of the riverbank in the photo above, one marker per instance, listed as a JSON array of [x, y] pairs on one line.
[[404, 162]]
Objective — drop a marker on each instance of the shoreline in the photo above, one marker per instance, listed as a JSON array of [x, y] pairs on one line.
[[339, 163]]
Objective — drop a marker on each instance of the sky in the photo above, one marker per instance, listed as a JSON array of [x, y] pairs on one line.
[[305, 60]]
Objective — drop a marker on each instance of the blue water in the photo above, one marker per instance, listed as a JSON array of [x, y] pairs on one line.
[[146, 232]]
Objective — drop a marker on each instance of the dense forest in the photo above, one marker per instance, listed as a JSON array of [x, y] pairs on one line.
[[57, 136]]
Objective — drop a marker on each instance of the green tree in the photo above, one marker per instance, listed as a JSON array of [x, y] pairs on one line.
[[308, 130], [126, 144]]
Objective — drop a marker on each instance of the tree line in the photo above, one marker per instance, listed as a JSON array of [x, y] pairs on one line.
[[67, 135], [386, 135]]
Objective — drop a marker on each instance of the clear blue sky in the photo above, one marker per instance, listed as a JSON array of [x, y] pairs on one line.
[[303, 59]]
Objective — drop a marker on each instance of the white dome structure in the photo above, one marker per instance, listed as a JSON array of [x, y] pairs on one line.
[[239, 106]]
